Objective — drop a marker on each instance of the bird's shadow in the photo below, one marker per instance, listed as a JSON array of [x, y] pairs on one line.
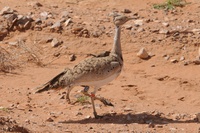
[[141, 118]]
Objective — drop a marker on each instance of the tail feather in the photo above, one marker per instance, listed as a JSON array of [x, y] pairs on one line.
[[53, 83]]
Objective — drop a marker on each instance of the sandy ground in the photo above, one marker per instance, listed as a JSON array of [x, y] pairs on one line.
[[154, 95]]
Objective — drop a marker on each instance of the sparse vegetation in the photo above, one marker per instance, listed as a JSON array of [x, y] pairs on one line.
[[4, 109], [82, 99], [6, 64], [170, 4]]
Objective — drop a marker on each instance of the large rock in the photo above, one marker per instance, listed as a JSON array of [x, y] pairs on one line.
[[143, 54], [6, 10]]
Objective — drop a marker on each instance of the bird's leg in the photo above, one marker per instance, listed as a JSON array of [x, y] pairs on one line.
[[67, 95], [94, 110], [103, 100]]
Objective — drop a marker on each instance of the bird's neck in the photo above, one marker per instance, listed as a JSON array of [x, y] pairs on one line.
[[116, 49]]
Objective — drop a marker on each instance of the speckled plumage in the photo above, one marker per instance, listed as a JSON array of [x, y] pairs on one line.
[[94, 72]]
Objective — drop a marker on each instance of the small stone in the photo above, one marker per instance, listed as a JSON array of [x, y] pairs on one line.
[[88, 117], [44, 15], [72, 57], [13, 43], [163, 31], [196, 30], [173, 60], [6, 10], [79, 113], [126, 109], [68, 21], [55, 42], [127, 11], [165, 24], [198, 117], [166, 57], [56, 25], [56, 54], [50, 120], [34, 4], [128, 26], [140, 29], [199, 52], [143, 54], [182, 58], [64, 14], [196, 62], [138, 22]]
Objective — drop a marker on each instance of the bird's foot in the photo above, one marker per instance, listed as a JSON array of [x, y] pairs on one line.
[[106, 102], [97, 116]]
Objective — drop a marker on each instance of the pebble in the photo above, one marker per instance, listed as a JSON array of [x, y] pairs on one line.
[[163, 31], [72, 57], [126, 11], [165, 24], [173, 60], [6, 10], [143, 54], [67, 22], [56, 25], [182, 58], [34, 4], [126, 109], [44, 15], [50, 120], [128, 26], [198, 118], [64, 14], [138, 22], [55, 42]]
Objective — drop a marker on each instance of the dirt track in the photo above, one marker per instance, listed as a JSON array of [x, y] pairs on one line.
[[160, 94]]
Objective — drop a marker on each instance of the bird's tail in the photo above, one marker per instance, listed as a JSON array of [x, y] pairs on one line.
[[53, 83]]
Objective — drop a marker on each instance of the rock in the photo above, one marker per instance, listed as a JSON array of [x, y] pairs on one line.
[[199, 52], [88, 117], [196, 30], [140, 29], [138, 22], [165, 24], [55, 42], [126, 11], [173, 60], [143, 54], [128, 26], [163, 31], [67, 22], [166, 57], [198, 117], [182, 58], [196, 62], [64, 14], [6, 10], [34, 4], [126, 109], [72, 57], [3, 30], [44, 15], [13, 43], [49, 119], [56, 25]]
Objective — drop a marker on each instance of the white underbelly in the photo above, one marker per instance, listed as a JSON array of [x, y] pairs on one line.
[[99, 83]]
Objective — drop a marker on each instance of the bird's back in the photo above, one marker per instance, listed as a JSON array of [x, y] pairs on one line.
[[96, 70]]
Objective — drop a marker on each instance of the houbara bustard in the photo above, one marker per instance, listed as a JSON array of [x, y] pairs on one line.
[[92, 72]]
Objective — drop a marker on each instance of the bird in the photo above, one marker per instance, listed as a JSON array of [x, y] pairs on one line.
[[93, 72]]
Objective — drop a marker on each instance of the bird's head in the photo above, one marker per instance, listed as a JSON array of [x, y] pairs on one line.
[[119, 20]]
